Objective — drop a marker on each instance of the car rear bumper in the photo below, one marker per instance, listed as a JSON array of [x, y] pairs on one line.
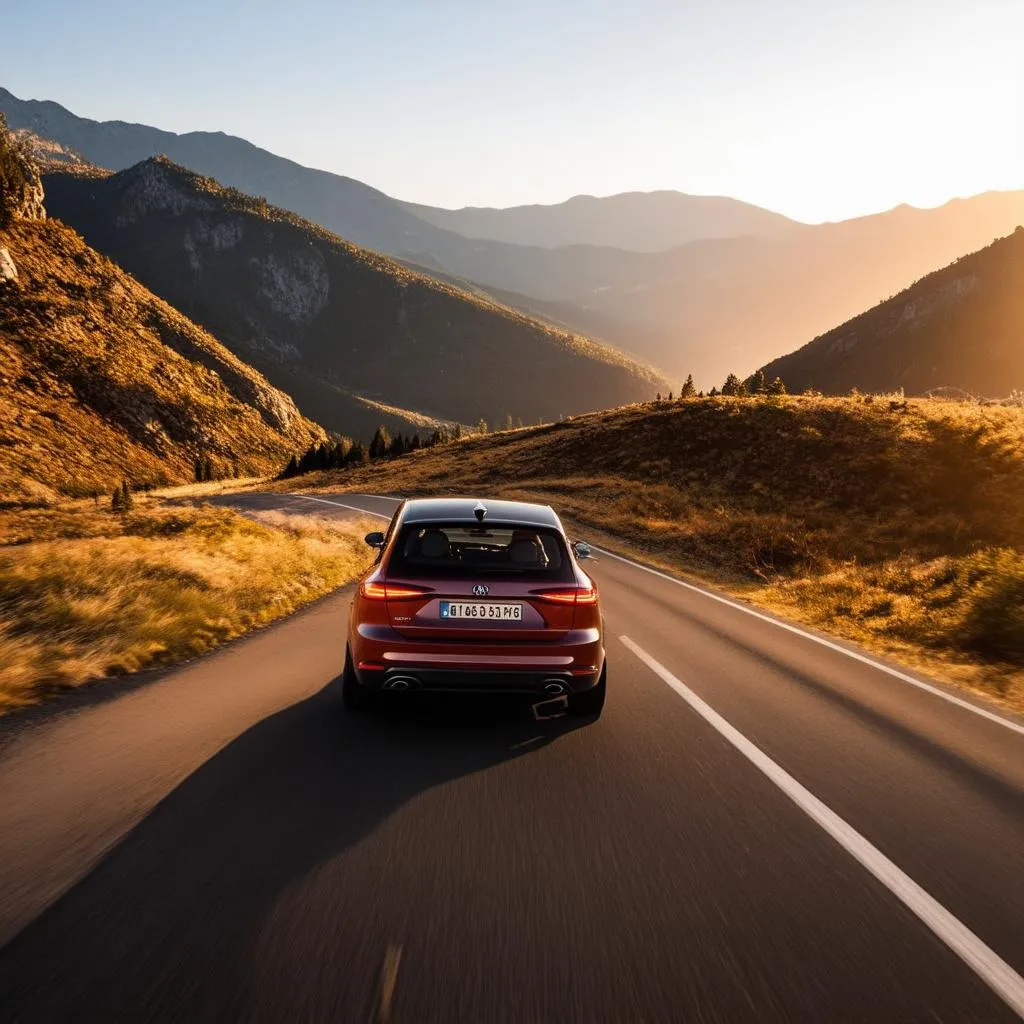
[[381, 658]]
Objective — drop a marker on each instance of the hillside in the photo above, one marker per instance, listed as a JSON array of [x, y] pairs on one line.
[[294, 299], [102, 380], [901, 528], [729, 305], [709, 307], [961, 327], [637, 221]]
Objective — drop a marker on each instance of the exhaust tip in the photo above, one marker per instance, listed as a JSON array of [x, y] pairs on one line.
[[555, 687], [400, 683]]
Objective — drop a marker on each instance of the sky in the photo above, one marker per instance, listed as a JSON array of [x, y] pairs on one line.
[[819, 109]]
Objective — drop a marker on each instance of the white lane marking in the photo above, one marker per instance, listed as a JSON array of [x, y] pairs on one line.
[[388, 977], [796, 630], [902, 676], [985, 962], [341, 504]]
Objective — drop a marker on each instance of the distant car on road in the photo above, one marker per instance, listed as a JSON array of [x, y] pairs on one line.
[[477, 597]]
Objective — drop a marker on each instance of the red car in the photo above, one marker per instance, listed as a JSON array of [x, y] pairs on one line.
[[477, 597]]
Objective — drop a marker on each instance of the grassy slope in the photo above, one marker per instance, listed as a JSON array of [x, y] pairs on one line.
[[101, 379], [901, 528], [86, 594]]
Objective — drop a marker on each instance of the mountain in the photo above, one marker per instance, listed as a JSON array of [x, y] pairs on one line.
[[298, 302], [960, 327], [100, 379], [637, 221], [708, 307]]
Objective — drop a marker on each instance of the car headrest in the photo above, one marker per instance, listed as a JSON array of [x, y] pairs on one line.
[[434, 544], [525, 551]]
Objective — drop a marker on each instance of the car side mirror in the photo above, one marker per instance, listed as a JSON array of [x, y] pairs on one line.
[[375, 539], [581, 549]]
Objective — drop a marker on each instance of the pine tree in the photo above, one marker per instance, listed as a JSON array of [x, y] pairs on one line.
[[416, 443], [381, 441], [481, 427], [688, 390], [657, 397], [670, 396], [732, 386], [357, 455], [397, 445], [117, 500], [776, 387], [713, 393], [198, 466], [127, 499]]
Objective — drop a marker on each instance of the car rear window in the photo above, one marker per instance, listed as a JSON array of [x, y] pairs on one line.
[[471, 551]]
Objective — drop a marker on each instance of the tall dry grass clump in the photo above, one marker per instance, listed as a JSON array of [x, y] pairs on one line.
[[86, 594]]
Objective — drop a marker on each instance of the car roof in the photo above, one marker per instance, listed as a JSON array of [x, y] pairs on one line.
[[457, 510]]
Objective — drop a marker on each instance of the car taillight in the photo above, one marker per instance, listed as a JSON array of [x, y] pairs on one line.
[[568, 595], [376, 590]]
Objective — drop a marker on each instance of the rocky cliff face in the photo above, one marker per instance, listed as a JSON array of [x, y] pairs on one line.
[[21, 191]]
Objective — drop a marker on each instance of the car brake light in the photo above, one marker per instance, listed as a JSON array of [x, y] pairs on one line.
[[575, 595], [377, 590]]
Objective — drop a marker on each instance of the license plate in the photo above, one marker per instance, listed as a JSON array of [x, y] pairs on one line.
[[488, 610]]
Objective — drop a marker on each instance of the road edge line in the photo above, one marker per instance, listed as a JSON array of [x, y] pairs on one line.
[[825, 642], [982, 959]]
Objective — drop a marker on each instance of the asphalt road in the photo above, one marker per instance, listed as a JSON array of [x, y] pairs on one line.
[[759, 828]]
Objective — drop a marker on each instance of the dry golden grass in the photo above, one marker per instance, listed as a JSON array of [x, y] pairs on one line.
[[897, 525], [100, 379], [85, 593]]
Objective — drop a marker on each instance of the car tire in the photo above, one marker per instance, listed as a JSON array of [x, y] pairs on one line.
[[354, 695], [590, 703]]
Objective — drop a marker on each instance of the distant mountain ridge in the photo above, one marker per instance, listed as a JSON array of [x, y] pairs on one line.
[[712, 306], [635, 221], [959, 327], [333, 323]]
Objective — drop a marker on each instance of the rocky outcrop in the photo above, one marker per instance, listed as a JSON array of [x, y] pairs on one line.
[[21, 191]]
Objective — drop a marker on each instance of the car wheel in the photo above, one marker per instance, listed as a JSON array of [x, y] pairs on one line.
[[354, 695], [590, 703]]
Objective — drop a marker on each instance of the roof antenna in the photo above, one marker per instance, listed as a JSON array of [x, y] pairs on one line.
[[479, 510]]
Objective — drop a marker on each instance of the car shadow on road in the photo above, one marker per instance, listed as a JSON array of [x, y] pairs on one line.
[[165, 926]]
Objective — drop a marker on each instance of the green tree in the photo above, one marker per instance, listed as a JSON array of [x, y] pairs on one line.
[[733, 386], [481, 426], [713, 393], [357, 455], [777, 388], [198, 467], [688, 390], [756, 384], [397, 446], [380, 443], [207, 468], [117, 500], [127, 498]]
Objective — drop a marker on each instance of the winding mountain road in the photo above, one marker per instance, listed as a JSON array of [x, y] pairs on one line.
[[763, 826]]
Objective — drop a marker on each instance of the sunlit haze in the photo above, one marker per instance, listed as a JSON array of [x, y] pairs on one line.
[[818, 110]]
